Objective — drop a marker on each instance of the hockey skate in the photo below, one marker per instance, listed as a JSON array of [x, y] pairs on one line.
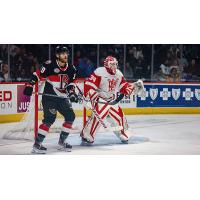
[[86, 142], [39, 149], [64, 146]]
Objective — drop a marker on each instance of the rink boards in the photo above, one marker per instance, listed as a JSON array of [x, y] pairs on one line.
[[158, 98]]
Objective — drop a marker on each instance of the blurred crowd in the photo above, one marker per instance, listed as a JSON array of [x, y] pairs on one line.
[[171, 63], [175, 63]]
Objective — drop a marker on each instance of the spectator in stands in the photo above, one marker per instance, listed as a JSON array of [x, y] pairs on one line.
[[163, 73], [128, 71], [22, 76], [85, 67], [4, 74], [77, 58], [192, 68], [139, 55], [174, 75]]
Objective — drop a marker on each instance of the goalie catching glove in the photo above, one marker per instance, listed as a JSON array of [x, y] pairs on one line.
[[138, 87]]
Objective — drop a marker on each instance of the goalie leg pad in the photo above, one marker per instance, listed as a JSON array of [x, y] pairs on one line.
[[116, 117], [93, 124]]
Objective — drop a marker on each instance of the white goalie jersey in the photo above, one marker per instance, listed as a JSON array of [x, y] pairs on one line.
[[106, 85]]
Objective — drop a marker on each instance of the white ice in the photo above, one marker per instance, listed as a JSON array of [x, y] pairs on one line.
[[149, 134]]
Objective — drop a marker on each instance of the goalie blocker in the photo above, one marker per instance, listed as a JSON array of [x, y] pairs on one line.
[[103, 85]]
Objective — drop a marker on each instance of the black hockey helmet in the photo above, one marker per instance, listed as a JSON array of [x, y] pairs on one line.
[[61, 49]]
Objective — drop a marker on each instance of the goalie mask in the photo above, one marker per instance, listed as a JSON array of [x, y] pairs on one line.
[[111, 64]]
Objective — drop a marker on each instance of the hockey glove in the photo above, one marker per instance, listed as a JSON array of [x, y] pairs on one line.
[[28, 90], [73, 97], [139, 87], [72, 94], [117, 100]]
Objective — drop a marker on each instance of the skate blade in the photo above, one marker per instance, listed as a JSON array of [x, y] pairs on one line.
[[64, 149], [86, 144], [36, 151], [124, 142]]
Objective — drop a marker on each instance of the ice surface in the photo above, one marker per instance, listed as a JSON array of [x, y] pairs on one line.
[[149, 134]]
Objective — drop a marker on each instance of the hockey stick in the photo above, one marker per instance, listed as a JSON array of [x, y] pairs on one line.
[[52, 95], [108, 127], [86, 100]]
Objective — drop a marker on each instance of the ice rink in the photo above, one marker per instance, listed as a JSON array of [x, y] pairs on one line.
[[149, 134]]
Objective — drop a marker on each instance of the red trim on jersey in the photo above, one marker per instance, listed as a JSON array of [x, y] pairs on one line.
[[37, 73], [54, 78], [63, 69], [125, 85], [94, 79]]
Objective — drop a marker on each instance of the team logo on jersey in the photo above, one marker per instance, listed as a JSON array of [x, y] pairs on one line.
[[53, 111], [112, 84], [176, 93], [48, 62], [197, 93], [56, 70], [153, 93]]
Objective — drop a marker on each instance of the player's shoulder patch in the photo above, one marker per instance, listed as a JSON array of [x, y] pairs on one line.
[[47, 62]]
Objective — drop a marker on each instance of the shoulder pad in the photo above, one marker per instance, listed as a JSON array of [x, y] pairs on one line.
[[119, 73], [100, 71]]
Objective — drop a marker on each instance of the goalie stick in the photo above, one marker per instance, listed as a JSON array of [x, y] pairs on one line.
[[119, 98]]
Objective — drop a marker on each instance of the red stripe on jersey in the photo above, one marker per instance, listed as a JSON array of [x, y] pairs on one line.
[[44, 127], [63, 69], [54, 78], [94, 79]]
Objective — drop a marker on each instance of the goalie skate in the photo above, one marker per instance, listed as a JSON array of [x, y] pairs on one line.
[[86, 142]]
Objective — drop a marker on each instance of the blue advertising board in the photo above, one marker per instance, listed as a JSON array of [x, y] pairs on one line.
[[170, 95]]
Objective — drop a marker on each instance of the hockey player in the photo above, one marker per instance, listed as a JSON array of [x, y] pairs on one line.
[[58, 75], [103, 85]]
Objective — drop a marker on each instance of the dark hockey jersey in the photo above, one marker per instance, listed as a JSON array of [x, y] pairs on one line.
[[56, 78]]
